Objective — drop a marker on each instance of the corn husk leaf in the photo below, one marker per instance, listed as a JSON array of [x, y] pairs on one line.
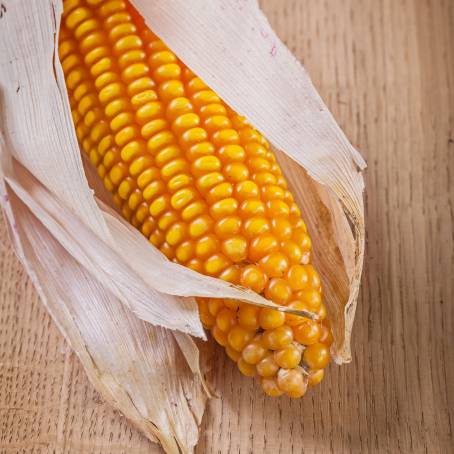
[[150, 373], [247, 65], [127, 312]]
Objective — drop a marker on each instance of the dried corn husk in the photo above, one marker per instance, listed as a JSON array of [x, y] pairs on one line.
[[127, 312]]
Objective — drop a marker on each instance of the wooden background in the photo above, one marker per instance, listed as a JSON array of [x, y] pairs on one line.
[[386, 70]]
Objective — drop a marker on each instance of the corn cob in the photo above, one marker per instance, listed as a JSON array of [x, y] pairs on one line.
[[201, 184]]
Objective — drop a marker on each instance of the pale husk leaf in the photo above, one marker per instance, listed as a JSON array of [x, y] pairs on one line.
[[231, 46], [137, 367]]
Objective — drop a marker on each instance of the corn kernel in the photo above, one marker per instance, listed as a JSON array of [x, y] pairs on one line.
[[278, 338], [301, 238], [236, 172], [316, 356], [282, 228], [223, 208], [167, 250], [230, 303], [200, 226], [275, 264], [278, 290], [254, 278], [219, 335], [221, 191], [261, 246], [166, 219], [298, 391], [214, 305], [225, 319], [290, 380], [315, 377], [195, 264], [271, 318], [288, 357], [193, 209], [207, 245], [185, 251], [255, 226], [267, 367], [297, 277], [277, 208], [293, 320], [245, 368], [231, 153], [239, 337], [248, 316], [311, 298], [232, 354], [246, 189], [322, 312], [270, 387], [176, 233], [307, 332], [253, 352], [326, 336], [227, 227], [215, 264], [235, 248]]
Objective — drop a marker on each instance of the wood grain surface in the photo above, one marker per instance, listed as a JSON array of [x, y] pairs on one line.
[[386, 70]]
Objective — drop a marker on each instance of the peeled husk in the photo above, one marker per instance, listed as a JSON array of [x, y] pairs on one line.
[[127, 312]]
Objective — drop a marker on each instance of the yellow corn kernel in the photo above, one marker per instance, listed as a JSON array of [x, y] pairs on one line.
[[288, 357], [278, 290], [236, 172], [267, 367], [232, 354], [254, 278], [228, 227], [230, 153], [277, 338], [262, 245], [185, 251], [200, 226], [219, 192], [215, 264], [291, 381], [307, 332], [223, 208], [316, 356], [246, 189], [219, 335], [315, 377], [235, 248], [254, 352], [226, 319], [271, 318], [232, 274], [207, 245], [239, 337], [256, 225], [270, 387], [246, 368], [252, 208], [214, 305]]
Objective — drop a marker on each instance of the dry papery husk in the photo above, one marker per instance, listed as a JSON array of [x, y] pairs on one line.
[[129, 313]]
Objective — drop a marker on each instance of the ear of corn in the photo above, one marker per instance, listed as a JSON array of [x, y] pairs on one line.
[[201, 184]]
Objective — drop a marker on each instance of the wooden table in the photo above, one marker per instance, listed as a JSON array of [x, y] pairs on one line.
[[386, 70]]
